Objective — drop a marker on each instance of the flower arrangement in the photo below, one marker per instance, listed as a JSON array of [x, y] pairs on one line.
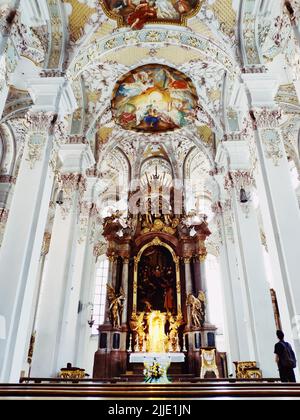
[[154, 372]]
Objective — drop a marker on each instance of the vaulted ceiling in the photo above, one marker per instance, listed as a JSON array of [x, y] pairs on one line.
[[211, 46]]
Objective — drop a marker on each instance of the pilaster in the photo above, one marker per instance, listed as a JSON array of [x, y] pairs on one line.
[[23, 237], [262, 321], [279, 205], [57, 303]]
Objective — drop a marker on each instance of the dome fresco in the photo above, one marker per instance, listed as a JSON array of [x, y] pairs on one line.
[[154, 98]]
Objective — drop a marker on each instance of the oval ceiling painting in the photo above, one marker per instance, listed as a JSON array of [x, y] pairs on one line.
[[154, 98], [136, 13]]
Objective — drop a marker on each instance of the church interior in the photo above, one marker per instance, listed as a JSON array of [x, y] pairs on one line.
[[149, 198]]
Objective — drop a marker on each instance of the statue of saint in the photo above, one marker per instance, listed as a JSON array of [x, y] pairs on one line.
[[116, 304], [197, 305], [168, 297]]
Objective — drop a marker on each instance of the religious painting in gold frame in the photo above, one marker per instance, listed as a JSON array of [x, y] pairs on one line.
[[137, 13], [156, 243]]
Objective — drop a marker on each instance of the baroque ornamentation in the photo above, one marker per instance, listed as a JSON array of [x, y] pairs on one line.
[[266, 118], [35, 147], [39, 122], [46, 244], [72, 182], [100, 248], [238, 179], [272, 145], [3, 220]]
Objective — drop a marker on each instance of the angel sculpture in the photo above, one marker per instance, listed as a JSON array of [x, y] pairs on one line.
[[197, 305], [116, 304], [137, 325], [175, 323]]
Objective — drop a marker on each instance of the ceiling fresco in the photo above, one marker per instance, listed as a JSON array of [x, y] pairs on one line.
[[136, 13], [154, 98]]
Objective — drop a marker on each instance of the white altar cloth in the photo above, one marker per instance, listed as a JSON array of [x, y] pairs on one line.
[[158, 357], [163, 359]]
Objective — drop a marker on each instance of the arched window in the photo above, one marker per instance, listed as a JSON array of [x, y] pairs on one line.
[[100, 294]]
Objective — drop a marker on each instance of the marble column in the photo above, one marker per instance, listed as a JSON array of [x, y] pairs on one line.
[[125, 279], [87, 295], [280, 209], [237, 319], [68, 339], [56, 296], [23, 237], [258, 293], [188, 287]]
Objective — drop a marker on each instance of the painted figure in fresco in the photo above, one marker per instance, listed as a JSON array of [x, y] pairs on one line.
[[144, 12], [152, 118], [136, 13], [166, 10], [155, 98]]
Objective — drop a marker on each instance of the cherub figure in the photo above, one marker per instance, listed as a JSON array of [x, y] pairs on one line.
[[175, 323], [137, 325], [116, 304]]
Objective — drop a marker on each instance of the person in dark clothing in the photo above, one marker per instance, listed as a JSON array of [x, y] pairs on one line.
[[285, 359]]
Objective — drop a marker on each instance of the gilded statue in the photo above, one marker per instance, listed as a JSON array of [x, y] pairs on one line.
[[166, 223], [116, 304], [175, 323], [197, 305], [137, 325]]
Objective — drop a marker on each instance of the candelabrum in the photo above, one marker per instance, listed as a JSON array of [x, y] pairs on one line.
[[90, 305]]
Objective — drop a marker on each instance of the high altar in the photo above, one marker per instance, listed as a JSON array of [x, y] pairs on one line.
[[156, 301]]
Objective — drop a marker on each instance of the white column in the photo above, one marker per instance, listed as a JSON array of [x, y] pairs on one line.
[[22, 242], [262, 326], [278, 202], [239, 342], [55, 293], [68, 341], [86, 297]]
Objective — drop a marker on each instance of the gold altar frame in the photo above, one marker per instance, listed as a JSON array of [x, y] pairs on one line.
[[156, 242]]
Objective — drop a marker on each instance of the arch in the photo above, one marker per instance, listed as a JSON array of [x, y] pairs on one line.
[[180, 38], [157, 242]]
